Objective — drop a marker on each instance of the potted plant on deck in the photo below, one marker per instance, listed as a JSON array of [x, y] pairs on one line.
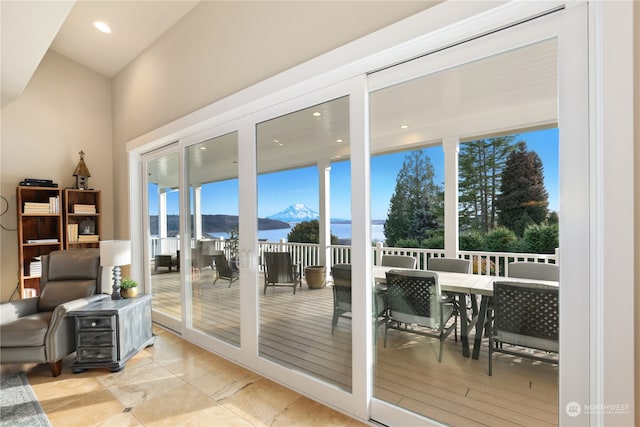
[[129, 288]]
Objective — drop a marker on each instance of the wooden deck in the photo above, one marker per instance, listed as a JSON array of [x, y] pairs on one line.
[[295, 331]]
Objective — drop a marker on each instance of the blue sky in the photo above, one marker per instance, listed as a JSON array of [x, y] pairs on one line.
[[277, 191]]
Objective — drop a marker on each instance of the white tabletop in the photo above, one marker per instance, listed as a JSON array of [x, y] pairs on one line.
[[452, 282], [462, 283]]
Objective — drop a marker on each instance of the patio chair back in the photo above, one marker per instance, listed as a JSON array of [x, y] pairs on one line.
[[534, 271], [452, 265], [400, 261]]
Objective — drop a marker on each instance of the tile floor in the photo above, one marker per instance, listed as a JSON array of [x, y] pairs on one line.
[[174, 383]]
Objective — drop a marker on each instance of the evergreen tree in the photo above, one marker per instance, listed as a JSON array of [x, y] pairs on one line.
[[308, 232], [480, 164], [415, 201], [524, 199]]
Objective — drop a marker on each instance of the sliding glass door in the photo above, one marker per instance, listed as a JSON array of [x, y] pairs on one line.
[[163, 239], [212, 236], [302, 203], [465, 160]]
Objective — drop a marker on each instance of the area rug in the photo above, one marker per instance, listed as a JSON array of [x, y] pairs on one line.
[[19, 405]]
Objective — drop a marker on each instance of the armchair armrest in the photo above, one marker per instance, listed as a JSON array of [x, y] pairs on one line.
[[13, 310], [61, 339]]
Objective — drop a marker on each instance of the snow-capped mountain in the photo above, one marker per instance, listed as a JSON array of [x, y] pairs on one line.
[[296, 213]]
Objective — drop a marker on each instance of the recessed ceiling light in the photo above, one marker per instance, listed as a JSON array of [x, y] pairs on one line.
[[404, 126], [101, 26], [317, 114], [339, 140]]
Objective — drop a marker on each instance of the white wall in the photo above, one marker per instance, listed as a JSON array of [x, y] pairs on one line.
[[65, 108], [220, 48]]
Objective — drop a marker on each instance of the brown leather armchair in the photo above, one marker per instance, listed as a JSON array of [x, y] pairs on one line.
[[38, 329]]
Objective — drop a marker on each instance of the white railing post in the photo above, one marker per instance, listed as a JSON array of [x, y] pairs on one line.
[[378, 256]]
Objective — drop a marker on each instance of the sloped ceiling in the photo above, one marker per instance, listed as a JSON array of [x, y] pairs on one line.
[[30, 28], [27, 30]]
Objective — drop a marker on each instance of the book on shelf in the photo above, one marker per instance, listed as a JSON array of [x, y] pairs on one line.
[[88, 238], [35, 268], [42, 240], [50, 207], [84, 209], [54, 205], [28, 293], [72, 233]]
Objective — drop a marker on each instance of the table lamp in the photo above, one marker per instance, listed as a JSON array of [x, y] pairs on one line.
[[115, 253]]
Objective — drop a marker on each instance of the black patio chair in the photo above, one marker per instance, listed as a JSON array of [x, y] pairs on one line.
[[279, 270]]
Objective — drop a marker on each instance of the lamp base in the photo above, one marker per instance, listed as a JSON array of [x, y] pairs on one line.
[[115, 294]]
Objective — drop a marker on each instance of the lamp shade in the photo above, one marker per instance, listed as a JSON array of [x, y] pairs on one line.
[[115, 252]]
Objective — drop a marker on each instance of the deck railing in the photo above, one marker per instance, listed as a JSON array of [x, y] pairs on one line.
[[485, 263]]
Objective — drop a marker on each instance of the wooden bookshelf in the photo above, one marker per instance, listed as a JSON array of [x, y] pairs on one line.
[[40, 231], [82, 218]]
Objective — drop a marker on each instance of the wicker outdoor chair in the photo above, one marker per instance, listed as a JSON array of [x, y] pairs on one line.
[[415, 298], [524, 315]]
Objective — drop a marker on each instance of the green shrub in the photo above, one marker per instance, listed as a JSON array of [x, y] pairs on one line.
[[308, 232], [500, 240], [540, 238], [406, 243], [433, 242], [471, 241]]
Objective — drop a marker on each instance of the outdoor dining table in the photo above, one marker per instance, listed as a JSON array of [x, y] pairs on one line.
[[460, 285]]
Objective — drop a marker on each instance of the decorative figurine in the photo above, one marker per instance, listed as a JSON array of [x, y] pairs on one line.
[[82, 174]]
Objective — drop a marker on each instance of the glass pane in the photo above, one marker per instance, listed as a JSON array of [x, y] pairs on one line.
[[164, 234], [212, 170], [303, 197], [447, 158]]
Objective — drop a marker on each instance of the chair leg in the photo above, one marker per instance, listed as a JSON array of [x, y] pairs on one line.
[[386, 329], [490, 351], [441, 347], [56, 368]]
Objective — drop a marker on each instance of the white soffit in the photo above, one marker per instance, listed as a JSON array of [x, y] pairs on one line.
[[27, 29]]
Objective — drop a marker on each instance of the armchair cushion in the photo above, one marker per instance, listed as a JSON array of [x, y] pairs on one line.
[[56, 293], [27, 331]]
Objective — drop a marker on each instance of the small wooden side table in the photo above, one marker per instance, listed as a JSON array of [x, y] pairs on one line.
[[110, 332]]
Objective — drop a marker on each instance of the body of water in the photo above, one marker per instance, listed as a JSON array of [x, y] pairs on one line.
[[341, 230]]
